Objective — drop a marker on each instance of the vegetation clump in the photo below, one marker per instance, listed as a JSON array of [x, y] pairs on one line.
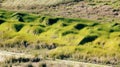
[[64, 38]]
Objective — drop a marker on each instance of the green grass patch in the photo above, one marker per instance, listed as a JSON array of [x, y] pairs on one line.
[[79, 39]]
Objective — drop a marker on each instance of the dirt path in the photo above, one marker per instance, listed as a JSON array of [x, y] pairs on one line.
[[5, 54], [66, 63]]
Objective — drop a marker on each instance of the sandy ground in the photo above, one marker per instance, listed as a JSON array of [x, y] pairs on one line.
[[5, 54], [56, 63], [74, 64]]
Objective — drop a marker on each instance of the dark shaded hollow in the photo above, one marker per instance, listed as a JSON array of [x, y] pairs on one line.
[[28, 19], [19, 16], [115, 24], [2, 21], [23, 59], [52, 21], [88, 39], [41, 19], [35, 60], [43, 65], [63, 56], [1, 16], [63, 24], [94, 24], [79, 26], [68, 32], [38, 31], [18, 27]]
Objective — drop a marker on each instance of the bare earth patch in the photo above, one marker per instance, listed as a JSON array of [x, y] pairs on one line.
[[54, 63], [4, 55], [80, 9]]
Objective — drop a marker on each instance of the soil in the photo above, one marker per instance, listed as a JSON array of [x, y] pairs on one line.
[[83, 10], [48, 62]]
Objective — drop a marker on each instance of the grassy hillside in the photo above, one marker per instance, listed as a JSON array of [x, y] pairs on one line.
[[78, 39], [100, 10]]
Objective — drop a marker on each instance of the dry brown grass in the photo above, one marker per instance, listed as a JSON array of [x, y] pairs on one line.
[[31, 3]]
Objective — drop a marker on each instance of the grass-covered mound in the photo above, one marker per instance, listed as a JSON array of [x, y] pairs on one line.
[[78, 39]]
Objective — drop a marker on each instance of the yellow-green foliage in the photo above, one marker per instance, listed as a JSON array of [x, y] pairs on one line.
[[57, 30], [76, 38]]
